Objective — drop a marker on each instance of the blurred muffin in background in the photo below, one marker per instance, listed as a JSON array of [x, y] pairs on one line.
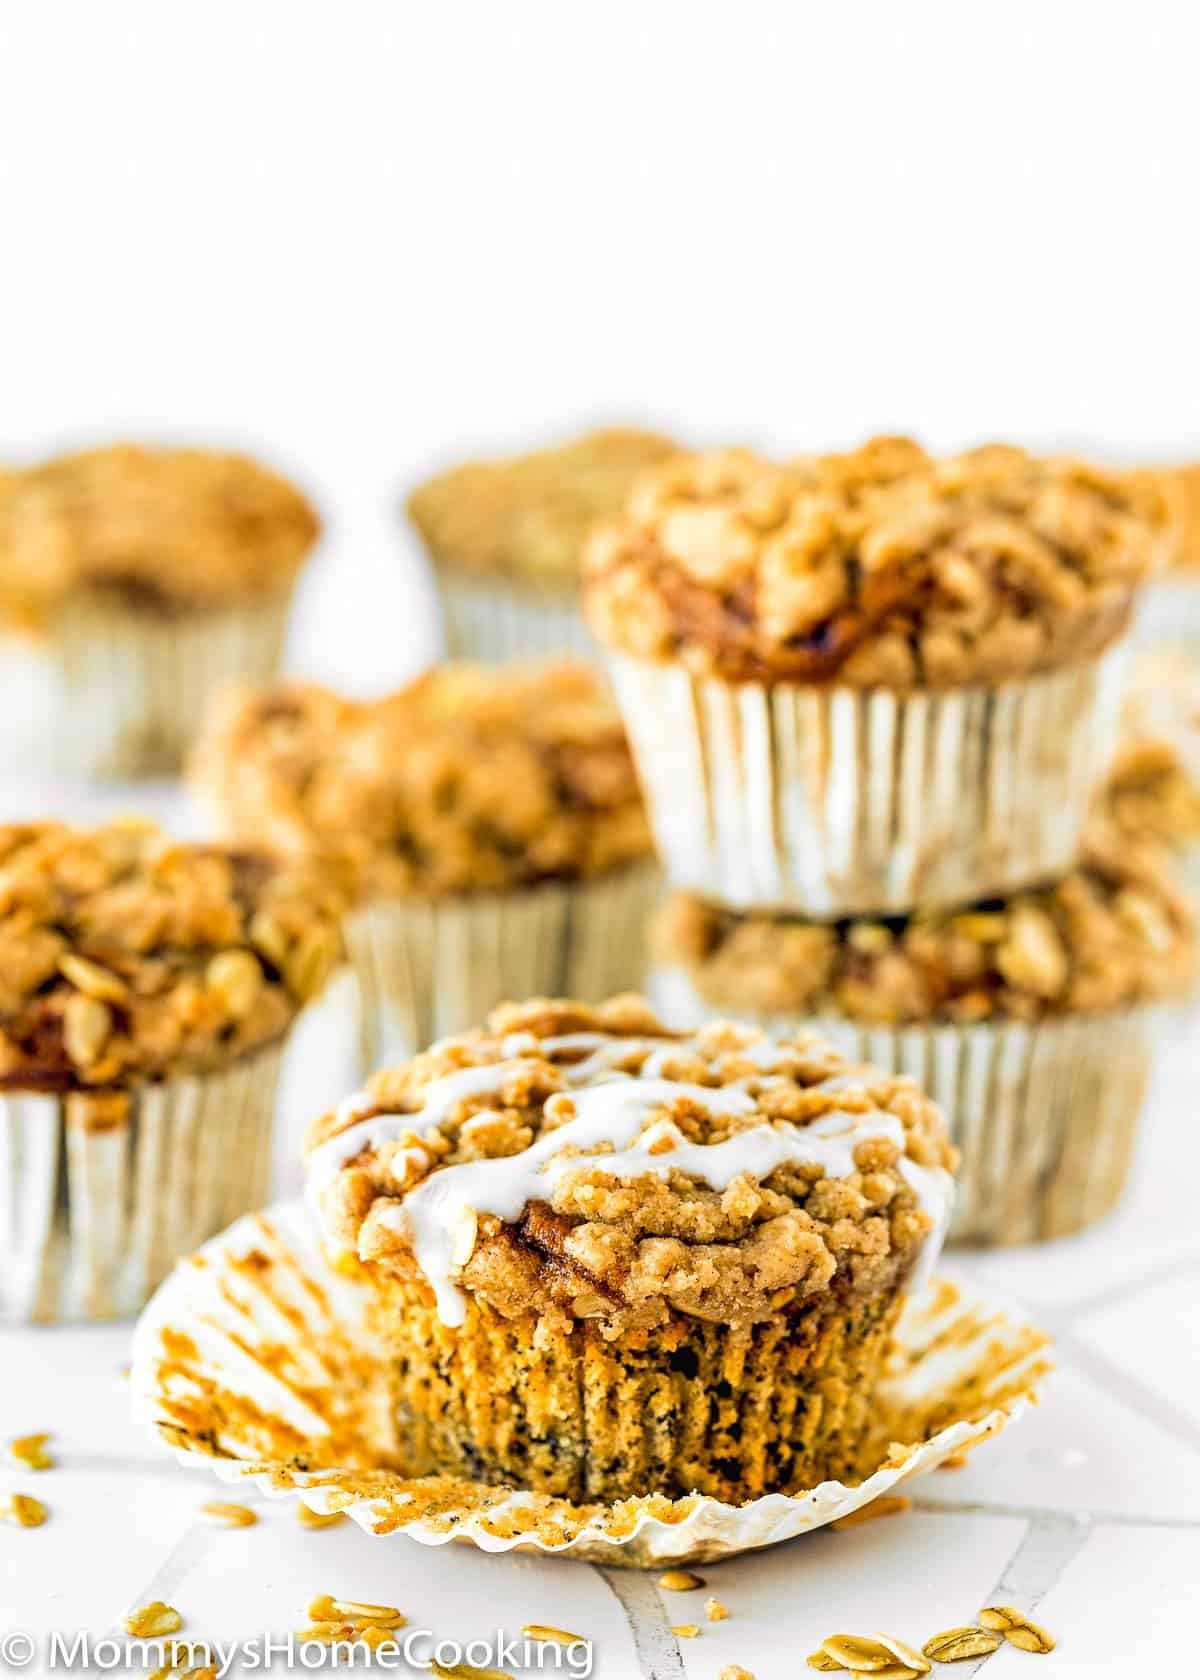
[[133, 582], [1153, 788], [505, 536], [490, 819], [1028, 1019], [869, 681], [1170, 614]]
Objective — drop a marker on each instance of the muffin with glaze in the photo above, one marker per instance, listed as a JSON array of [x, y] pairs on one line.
[[133, 581], [867, 682], [504, 536], [611, 1260], [146, 992], [1028, 1019], [490, 821]]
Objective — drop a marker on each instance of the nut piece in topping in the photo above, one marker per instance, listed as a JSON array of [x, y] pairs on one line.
[[29, 1451], [24, 1510], [462, 1237], [680, 1580], [960, 1644], [237, 978], [228, 1515], [93, 980], [153, 1621], [87, 1026]]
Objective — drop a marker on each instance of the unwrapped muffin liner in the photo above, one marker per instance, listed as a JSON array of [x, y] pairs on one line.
[[1045, 1115], [254, 1360], [839, 801], [119, 692], [429, 968], [98, 1201], [495, 620]]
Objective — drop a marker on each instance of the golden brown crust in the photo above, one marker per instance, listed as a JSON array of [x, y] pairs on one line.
[[1153, 788], [1113, 934], [628, 1251], [878, 568], [126, 956], [470, 779], [525, 516], [165, 530]]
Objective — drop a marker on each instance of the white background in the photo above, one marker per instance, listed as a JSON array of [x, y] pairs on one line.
[[365, 237]]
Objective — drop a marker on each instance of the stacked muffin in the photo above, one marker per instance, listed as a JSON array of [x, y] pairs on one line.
[[1170, 615], [870, 696], [1153, 786]]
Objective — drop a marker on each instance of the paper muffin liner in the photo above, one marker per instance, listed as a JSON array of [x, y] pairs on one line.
[[433, 967], [100, 1196], [495, 620], [254, 1360], [1169, 615], [112, 691], [842, 801], [1045, 1115]]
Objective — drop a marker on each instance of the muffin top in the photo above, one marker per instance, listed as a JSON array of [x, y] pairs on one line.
[[126, 956], [1114, 933], [168, 530], [585, 1162], [1153, 787], [877, 568], [525, 516], [470, 779]]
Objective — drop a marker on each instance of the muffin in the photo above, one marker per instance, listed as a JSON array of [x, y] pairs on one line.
[[1028, 1019], [1170, 615], [858, 684], [1153, 787], [490, 821], [609, 1260], [133, 582], [146, 990], [505, 535]]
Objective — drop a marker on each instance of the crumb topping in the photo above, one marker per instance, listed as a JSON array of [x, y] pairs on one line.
[[127, 956], [470, 779], [165, 530], [1114, 933], [1153, 787], [880, 567], [525, 516], [585, 1162]]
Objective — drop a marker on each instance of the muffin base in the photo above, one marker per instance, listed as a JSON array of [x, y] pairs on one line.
[[430, 968], [499, 620], [101, 1193], [689, 1407], [841, 801], [117, 692]]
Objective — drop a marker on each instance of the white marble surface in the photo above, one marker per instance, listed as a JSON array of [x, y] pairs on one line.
[[1087, 1512]]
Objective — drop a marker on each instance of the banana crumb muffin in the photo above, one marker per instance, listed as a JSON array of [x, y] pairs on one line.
[[132, 582], [612, 1260], [1153, 788], [490, 819]]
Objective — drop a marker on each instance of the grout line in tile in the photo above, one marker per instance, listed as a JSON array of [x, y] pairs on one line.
[[183, 1557], [656, 1646], [1097, 1518], [1129, 1390], [1161, 1272], [1048, 1545]]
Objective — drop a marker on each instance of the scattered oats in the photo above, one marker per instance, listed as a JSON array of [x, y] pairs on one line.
[[308, 1518], [328, 1609], [1000, 1617], [123, 1371], [680, 1580], [960, 1644], [228, 1515], [886, 1505], [464, 1671], [686, 1630], [715, 1610], [856, 1652], [904, 1654], [819, 1659], [327, 1633], [153, 1620], [560, 1636], [380, 1638], [30, 1452], [24, 1510], [1030, 1637], [733, 1671]]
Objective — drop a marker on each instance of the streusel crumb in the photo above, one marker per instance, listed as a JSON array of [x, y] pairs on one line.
[[470, 779], [1114, 933], [127, 956], [883, 570], [164, 530], [526, 516], [1153, 787]]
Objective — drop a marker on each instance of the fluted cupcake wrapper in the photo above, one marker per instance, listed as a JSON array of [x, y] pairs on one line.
[[1045, 1115], [498, 620], [112, 691], [308, 1414], [99, 1197], [841, 801], [429, 968]]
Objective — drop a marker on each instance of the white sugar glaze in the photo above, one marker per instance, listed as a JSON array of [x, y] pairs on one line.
[[611, 1111]]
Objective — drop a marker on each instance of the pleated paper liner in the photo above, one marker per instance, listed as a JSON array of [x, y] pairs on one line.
[[113, 691], [429, 968], [253, 1360], [1045, 1115], [101, 1194], [840, 801], [495, 620]]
